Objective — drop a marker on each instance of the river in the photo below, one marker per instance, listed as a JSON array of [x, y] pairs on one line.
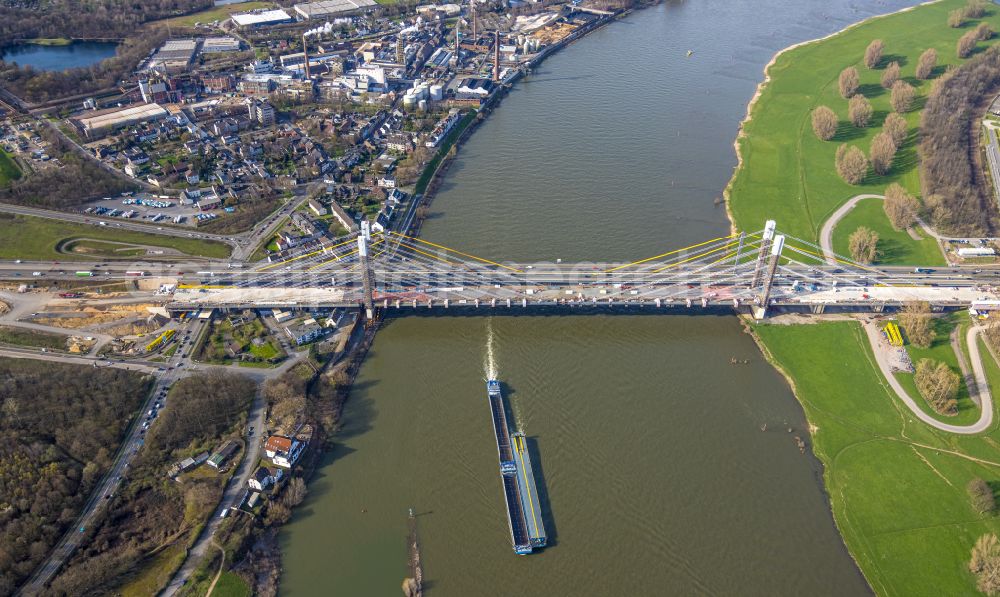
[[59, 57], [666, 469]]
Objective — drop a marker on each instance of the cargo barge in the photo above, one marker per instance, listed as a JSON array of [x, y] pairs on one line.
[[527, 531]]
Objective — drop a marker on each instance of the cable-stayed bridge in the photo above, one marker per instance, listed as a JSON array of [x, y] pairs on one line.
[[750, 271]]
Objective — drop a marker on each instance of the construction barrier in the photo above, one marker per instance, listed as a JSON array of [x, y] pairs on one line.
[[893, 334]]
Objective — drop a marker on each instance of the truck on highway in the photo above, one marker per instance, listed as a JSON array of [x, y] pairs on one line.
[[136, 273], [922, 270], [84, 274], [70, 295]]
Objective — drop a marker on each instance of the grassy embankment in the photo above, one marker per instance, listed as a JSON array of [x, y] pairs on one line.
[[218, 13], [27, 237], [32, 338], [446, 145], [897, 487], [8, 169], [788, 174]]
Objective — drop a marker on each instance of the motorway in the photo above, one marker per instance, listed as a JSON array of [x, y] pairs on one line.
[[112, 479]]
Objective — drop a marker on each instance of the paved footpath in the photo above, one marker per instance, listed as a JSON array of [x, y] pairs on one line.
[[985, 399]]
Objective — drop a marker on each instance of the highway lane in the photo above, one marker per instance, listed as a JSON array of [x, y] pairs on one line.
[[109, 485]]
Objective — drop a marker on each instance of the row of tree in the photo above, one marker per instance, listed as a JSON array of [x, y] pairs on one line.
[[956, 201]]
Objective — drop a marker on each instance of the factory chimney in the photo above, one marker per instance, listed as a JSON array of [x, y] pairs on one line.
[[305, 55], [496, 58], [474, 12]]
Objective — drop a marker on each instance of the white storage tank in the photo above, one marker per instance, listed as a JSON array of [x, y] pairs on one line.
[[437, 92], [409, 100], [422, 105]]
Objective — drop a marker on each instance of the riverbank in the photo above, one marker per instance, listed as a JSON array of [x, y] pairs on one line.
[[784, 171], [896, 486]]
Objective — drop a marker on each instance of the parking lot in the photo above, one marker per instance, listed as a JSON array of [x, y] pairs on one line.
[[147, 208]]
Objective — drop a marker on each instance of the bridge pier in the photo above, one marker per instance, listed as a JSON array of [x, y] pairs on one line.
[[772, 267], [367, 277], [765, 245]]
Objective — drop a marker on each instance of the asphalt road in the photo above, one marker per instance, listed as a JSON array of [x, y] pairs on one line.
[[111, 481]]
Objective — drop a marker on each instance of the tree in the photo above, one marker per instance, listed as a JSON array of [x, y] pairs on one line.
[[882, 153], [824, 123], [938, 384], [900, 207], [966, 44], [981, 495], [873, 53], [851, 163], [917, 321], [859, 110], [956, 18], [983, 32], [975, 9], [985, 564], [895, 125], [901, 96], [926, 64], [890, 75], [849, 82], [863, 244]]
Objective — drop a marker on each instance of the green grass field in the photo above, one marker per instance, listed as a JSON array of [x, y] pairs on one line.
[[217, 13], [787, 173], [896, 486], [27, 237], [32, 338], [230, 585], [897, 247], [8, 169]]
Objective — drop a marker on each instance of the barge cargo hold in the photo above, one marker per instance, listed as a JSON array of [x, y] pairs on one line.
[[527, 530]]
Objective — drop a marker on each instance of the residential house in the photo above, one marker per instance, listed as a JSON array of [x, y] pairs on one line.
[[283, 451]]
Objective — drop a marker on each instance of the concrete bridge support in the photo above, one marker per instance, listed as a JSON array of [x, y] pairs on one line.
[[367, 276], [772, 266], [765, 246]]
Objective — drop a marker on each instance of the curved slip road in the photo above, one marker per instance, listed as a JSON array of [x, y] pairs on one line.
[[826, 233], [982, 385]]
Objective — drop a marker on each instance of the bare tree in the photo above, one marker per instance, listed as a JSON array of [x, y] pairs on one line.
[[901, 97], [882, 153], [873, 53], [956, 18], [917, 321], [983, 32], [890, 75], [966, 44], [863, 244], [824, 123], [975, 9], [981, 496], [849, 82], [851, 163], [987, 547], [896, 126], [900, 207], [926, 64], [938, 384], [859, 110]]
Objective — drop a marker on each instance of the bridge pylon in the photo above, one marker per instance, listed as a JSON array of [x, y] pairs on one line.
[[765, 245], [777, 245], [367, 276]]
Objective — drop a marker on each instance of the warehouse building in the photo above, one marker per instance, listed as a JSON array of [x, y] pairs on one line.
[[333, 8], [102, 123], [261, 18], [213, 45], [174, 55]]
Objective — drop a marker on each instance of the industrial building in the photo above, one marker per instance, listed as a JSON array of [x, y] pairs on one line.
[[174, 55], [261, 18], [213, 45], [110, 120], [333, 8]]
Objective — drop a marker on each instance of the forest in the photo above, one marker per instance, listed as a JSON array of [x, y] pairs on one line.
[[31, 19], [62, 425], [957, 201], [151, 513]]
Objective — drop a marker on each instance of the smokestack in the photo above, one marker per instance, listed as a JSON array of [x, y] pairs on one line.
[[474, 38], [496, 58], [305, 54]]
